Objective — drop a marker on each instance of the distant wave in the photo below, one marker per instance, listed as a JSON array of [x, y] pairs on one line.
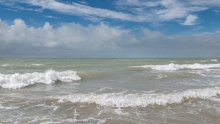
[[37, 64], [26, 65], [31, 65], [214, 60], [139, 100], [173, 67], [16, 81], [5, 65]]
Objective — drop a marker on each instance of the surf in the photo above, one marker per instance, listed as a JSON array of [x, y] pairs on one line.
[[138, 99], [174, 67], [17, 80]]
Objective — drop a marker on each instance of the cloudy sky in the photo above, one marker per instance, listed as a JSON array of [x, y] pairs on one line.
[[110, 28]]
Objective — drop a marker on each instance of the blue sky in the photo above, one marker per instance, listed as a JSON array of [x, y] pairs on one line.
[[110, 28]]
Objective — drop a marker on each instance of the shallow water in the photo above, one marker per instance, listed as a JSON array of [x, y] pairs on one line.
[[109, 91]]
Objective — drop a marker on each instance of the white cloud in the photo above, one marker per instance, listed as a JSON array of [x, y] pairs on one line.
[[160, 10], [137, 10], [190, 20], [173, 10], [137, 3], [70, 35], [213, 3], [75, 40], [151, 34], [49, 16], [78, 9]]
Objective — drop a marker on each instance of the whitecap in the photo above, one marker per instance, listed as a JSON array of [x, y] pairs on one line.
[[5, 65], [37, 64], [17, 80], [203, 61], [214, 60], [173, 67]]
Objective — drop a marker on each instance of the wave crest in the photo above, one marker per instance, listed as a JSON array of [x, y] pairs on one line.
[[173, 67], [139, 100], [17, 81]]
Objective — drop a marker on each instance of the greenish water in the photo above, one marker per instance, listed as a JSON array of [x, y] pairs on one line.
[[109, 90]]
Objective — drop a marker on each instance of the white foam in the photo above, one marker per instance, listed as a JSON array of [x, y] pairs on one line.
[[24, 65], [214, 60], [16, 81], [203, 61], [215, 99], [160, 76], [7, 108], [207, 72], [139, 100], [173, 67], [118, 111], [37, 64], [5, 65], [105, 88]]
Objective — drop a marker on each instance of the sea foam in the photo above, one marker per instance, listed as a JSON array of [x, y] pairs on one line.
[[37, 64], [17, 80], [139, 100], [173, 67], [5, 65], [214, 60]]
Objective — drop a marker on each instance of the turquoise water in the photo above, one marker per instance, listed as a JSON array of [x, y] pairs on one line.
[[109, 90]]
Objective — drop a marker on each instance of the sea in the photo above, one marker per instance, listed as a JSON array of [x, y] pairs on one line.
[[109, 91]]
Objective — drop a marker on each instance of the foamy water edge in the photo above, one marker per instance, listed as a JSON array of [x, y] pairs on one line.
[[138, 100]]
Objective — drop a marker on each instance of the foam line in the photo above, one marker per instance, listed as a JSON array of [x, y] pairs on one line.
[[139, 100], [173, 67]]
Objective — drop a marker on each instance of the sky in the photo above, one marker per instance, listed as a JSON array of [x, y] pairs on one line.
[[110, 28]]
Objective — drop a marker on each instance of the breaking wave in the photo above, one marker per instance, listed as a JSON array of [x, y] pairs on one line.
[[17, 80], [173, 67], [139, 100]]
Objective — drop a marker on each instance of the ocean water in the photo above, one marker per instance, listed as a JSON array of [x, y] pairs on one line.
[[110, 91]]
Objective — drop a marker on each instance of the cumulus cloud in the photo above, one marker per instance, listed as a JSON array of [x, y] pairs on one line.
[[190, 20], [75, 40], [70, 36]]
